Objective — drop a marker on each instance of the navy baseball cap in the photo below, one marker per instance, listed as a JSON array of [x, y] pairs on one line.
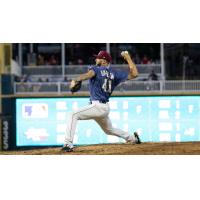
[[104, 55]]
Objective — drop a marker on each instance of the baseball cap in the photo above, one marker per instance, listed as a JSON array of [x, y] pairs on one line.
[[104, 55]]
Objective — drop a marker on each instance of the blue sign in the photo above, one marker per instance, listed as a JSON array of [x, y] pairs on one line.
[[42, 121]]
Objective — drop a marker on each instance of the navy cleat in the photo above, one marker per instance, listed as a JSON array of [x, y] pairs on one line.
[[67, 148], [137, 138]]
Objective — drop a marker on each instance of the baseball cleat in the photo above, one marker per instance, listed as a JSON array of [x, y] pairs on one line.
[[137, 138], [67, 148]]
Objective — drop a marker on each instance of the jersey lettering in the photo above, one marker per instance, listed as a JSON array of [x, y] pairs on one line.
[[107, 74]]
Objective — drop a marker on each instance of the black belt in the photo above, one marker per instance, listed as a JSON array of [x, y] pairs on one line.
[[103, 101], [100, 101]]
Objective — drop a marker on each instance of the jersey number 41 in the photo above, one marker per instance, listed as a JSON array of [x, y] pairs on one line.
[[107, 85]]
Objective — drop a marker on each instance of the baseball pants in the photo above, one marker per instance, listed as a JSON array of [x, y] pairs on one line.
[[98, 112]]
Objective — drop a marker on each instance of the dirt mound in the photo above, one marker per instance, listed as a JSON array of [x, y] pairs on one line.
[[184, 148]]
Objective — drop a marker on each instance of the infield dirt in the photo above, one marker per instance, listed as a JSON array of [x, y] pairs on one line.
[[175, 148]]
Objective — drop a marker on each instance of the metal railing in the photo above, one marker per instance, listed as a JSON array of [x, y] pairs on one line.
[[123, 88], [78, 69], [182, 85], [55, 73]]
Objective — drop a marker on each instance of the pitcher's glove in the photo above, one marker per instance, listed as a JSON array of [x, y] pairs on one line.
[[75, 86]]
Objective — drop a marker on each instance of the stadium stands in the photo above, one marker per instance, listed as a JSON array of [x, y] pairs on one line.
[[44, 71]]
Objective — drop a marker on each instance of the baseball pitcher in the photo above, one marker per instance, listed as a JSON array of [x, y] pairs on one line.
[[102, 81]]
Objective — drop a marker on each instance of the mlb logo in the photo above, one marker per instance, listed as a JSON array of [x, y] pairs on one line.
[[35, 110]]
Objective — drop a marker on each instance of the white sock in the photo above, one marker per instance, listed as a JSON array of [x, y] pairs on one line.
[[131, 138]]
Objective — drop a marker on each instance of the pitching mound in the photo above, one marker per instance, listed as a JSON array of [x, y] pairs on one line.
[[187, 148]]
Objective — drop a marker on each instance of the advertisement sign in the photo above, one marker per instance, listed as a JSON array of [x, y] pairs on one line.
[[42, 121]]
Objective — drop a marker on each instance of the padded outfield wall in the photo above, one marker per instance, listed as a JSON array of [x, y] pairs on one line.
[[41, 121]]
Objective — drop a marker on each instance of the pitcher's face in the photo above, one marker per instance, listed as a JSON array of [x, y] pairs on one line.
[[101, 62], [98, 61]]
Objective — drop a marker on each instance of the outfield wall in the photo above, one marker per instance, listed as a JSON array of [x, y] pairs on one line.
[[41, 121], [155, 118]]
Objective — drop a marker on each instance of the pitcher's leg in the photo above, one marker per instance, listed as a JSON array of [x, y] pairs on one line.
[[71, 127], [87, 112], [106, 125]]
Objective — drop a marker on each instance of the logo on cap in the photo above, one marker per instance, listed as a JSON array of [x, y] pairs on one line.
[[104, 55]]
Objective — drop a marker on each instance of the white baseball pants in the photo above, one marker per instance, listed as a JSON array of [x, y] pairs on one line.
[[98, 112]]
